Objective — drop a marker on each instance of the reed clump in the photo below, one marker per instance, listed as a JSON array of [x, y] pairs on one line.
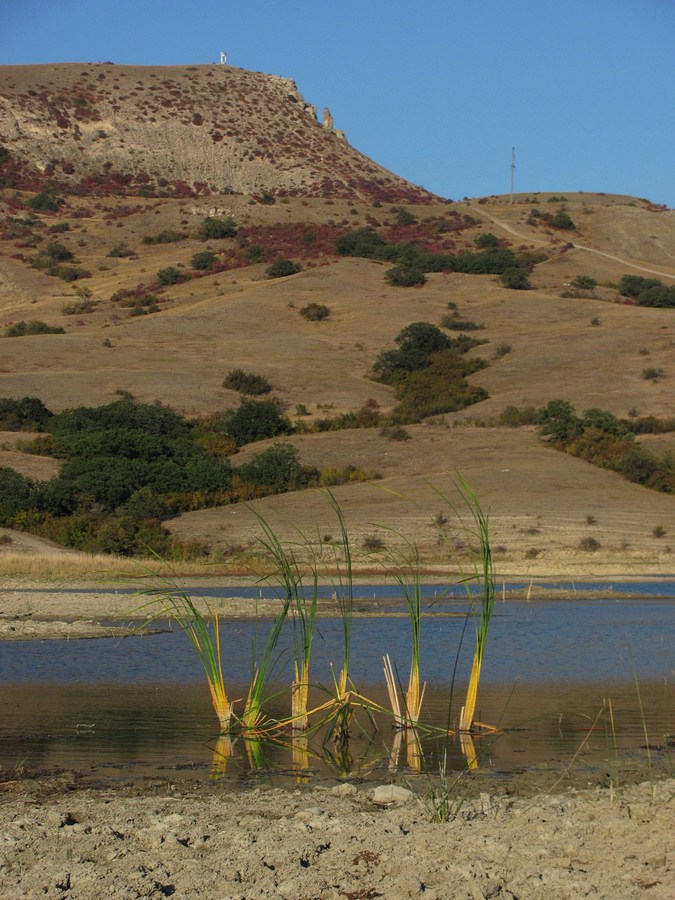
[[296, 584]]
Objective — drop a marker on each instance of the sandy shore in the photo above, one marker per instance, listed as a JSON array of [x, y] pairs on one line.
[[330, 842], [32, 611]]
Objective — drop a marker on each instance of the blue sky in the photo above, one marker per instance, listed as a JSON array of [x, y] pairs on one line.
[[438, 92]]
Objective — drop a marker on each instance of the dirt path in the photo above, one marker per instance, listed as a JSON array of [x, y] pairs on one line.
[[528, 237]]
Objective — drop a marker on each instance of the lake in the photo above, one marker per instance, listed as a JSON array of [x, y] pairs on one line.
[[139, 707]]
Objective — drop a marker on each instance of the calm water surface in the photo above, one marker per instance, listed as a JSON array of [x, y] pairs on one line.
[[140, 705]]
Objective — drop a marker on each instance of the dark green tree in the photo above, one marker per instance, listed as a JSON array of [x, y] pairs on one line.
[[203, 260], [255, 420], [282, 267], [516, 279], [169, 275], [276, 469], [217, 229], [558, 419]]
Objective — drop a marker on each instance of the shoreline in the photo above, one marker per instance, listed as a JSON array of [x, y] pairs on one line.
[[330, 842], [86, 610]]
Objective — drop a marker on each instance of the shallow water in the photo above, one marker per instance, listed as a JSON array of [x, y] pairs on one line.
[[139, 707]]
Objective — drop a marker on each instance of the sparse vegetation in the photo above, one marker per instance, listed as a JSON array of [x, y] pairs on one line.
[[589, 544], [315, 312], [246, 382], [35, 326], [165, 237]]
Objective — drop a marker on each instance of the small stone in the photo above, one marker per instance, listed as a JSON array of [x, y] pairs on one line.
[[343, 790], [307, 815], [385, 794]]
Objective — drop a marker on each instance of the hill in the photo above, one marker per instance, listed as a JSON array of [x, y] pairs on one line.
[[177, 131], [553, 341]]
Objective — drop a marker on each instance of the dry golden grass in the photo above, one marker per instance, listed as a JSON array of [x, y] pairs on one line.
[[539, 500]]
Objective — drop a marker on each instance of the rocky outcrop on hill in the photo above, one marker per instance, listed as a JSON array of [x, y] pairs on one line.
[[178, 131]]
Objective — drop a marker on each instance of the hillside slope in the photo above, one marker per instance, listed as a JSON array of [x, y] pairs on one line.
[[125, 333], [177, 131]]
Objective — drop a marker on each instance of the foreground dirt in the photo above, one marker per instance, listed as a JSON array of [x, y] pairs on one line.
[[331, 842]]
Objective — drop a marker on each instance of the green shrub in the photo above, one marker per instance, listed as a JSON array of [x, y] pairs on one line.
[[246, 382], [516, 279], [255, 420], [45, 202], [416, 342], [25, 414], [282, 267], [57, 252], [20, 329], [455, 323], [217, 229], [203, 260], [255, 253], [589, 544], [513, 417], [165, 237], [120, 251], [315, 312], [652, 373], [80, 308], [487, 241], [405, 276], [68, 273], [168, 276], [584, 283], [16, 492], [563, 221], [647, 291], [276, 469], [395, 433], [405, 217]]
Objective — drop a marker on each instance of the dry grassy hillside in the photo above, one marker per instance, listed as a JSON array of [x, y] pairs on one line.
[[592, 351], [182, 130]]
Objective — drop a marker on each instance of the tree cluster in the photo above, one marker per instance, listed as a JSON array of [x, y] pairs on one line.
[[603, 439], [428, 371], [647, 291]]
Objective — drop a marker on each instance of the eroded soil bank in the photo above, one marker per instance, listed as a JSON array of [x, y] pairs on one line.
[[337, 841]]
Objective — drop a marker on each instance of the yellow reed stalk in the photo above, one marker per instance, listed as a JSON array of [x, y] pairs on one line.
[[467, 713], [414, 695], [468, 749], [413, 750], [300, 756], [222, 753], [300, 696], [399, 721]]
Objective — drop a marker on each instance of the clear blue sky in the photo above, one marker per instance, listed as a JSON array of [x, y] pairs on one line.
[[438, 91]]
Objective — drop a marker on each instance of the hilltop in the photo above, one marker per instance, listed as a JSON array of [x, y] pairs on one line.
[[97, 129], [590, 348]]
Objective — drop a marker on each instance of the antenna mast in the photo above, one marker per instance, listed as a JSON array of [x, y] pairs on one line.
[[513, 169]]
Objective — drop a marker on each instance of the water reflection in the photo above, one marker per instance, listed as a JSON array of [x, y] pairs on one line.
[[140, 707], [167, 730]]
